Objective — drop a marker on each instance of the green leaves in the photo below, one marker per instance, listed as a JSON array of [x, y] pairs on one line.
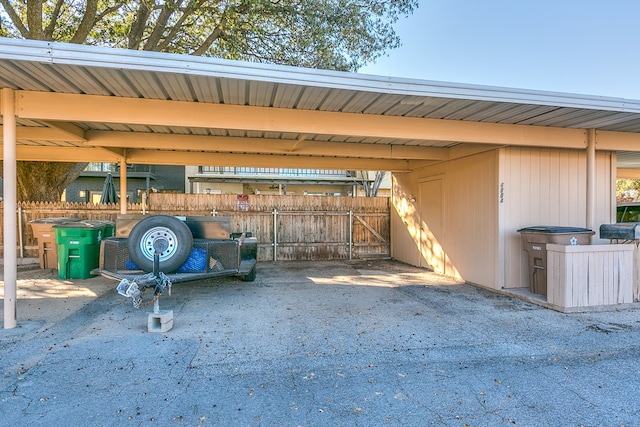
[[328, 34]]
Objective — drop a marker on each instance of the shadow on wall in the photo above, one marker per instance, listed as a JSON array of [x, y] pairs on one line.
[[427, 246]]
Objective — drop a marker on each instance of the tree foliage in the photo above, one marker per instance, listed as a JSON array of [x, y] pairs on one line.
[[327, 34], [627, 189]]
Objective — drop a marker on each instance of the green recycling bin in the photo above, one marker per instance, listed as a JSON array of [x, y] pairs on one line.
[[79, 247]]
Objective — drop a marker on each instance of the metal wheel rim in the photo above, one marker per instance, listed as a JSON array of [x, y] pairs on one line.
[[149, 238]]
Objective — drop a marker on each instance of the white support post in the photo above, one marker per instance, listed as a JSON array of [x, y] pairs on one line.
[[591, 180], [275, 235], [10, 202], [350, 235], [123, 186]]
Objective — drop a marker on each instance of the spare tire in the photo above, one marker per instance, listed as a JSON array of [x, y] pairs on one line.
[[166, 234]]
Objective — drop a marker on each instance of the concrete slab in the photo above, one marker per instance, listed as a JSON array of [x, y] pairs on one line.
[[316, 343]]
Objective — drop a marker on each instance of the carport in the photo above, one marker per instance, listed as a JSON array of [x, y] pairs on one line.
[[471, 164]]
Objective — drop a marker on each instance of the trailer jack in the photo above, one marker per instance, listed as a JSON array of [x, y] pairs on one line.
[[159, 320]]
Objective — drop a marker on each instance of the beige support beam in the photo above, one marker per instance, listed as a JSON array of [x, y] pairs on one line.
[[266, 161], [465, 150], [617, 141], [261, 145], [42, 133], [135, 111], [299, 141], [66, 154], [73, 132], [628, 173]]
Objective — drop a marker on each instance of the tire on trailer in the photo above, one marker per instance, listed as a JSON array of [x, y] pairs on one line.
[[171, 236], [250, 276]]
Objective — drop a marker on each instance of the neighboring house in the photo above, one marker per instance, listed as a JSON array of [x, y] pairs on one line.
[[218, 180], [281, 181], [140, 178]]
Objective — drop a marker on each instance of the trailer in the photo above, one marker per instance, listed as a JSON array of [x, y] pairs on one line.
[[181, 248]]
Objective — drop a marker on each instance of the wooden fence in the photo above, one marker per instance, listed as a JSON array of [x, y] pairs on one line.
[[287, 227]]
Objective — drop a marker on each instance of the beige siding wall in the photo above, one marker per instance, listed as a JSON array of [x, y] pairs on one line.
[[548, 187], [454, 231], [470, 231], [405, 222]]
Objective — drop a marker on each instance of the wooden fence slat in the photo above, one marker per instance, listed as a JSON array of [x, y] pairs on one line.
[[309, 227]]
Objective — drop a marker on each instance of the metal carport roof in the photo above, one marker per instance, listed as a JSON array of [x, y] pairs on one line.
[[65, 102], [77, 102]]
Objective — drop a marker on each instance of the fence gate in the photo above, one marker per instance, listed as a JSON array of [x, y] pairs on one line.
[[287, 227]]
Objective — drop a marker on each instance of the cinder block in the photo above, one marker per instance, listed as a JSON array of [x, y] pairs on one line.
[[161, 321]]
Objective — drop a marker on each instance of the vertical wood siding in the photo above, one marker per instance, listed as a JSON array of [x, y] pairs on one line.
[[589, 276], [468, 235], [546, 187]]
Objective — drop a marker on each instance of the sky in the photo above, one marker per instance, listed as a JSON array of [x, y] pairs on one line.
[[587, 47]]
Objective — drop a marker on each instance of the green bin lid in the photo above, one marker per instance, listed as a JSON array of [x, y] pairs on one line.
[[89, 224]]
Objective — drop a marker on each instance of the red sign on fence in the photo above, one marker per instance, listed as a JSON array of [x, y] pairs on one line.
[[243, 202]]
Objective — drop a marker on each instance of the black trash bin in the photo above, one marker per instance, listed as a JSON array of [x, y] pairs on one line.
[[534, 241]]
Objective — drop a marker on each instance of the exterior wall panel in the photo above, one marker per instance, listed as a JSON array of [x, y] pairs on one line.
[[547, 187], [468, 233], [487, 198]]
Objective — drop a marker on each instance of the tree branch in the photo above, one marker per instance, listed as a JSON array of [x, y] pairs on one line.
[[187, 12], [168, 9], [139, 23], [15, 18], [34, 19], [217, 32], [48, 31], [87, 23]]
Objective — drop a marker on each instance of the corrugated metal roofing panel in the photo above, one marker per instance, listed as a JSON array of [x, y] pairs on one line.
[[312, 98], [120, 127], [336, 100], [176, 86], [95, 126], [360, 102], [83, 69], [135, 61], [115, 82], [608, 120], [400, 107], [627, 126], [448, 110], [382, 104], [575, 118], [17, 79], [199, 131], [515, 114], [261, 94], [628, 159], [85, 82], [234, 92], [206, 90], [426, 108], [55, 79], [148, 85], [286, 96]]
